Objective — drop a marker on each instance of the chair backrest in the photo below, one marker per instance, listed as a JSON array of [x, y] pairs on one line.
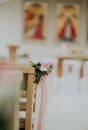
[[84, 80], [71, 67], [28, 107], [10, 81], [69, 82], [85, 69]]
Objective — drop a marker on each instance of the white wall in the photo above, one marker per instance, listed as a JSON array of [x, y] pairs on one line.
[[11, 25]]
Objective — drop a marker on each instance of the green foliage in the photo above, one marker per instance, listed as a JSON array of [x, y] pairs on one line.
[[39, 72]]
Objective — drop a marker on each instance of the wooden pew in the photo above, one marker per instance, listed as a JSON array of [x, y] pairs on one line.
[[28, 74], [28, 94]]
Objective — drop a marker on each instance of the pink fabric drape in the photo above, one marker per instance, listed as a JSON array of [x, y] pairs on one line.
[[43, 103]]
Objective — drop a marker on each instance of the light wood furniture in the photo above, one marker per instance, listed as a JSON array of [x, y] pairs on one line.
[[29, 94], [9, 98], [12, 52], [23, 102], [61, 58], [28, 77]]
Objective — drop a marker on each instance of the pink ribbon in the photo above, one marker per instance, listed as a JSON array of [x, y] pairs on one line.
[[43, 103]]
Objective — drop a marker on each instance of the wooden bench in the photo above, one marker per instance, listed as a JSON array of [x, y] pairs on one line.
[[28, 105]]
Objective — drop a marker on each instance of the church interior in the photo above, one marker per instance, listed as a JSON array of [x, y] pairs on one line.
[[43, 64]]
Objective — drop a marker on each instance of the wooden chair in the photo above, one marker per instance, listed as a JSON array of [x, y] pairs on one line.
[[70, 57], [9, 98], [27, 106], [28, 77]]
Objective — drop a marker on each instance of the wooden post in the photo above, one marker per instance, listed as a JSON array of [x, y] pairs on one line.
[[29, 107], [12, 52]]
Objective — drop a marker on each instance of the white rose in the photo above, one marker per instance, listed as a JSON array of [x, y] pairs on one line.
[[43, 68]]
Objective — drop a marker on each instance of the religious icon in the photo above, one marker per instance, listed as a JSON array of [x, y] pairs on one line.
[[35, 15], [67, 22]]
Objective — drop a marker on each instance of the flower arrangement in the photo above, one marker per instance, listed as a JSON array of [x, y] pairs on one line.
[[41, 70]]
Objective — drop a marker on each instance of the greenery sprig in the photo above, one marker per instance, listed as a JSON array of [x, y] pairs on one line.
[[41, 70]]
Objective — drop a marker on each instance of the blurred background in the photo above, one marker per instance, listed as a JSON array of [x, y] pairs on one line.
[[13, 23], [54, 31]]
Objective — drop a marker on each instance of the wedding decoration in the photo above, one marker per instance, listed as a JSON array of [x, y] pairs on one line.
[[41, 70]]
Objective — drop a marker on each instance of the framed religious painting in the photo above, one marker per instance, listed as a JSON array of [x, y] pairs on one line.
[[67, 22], [35, 19]]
